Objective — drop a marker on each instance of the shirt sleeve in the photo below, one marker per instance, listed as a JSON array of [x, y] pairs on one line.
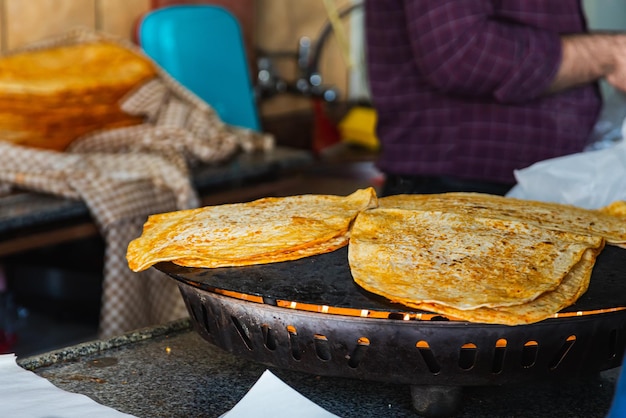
[[463, 48]]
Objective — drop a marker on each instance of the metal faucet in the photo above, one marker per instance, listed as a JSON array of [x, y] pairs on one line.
[[309, 82]]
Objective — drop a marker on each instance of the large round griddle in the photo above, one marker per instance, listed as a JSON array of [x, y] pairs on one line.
[[326, 280], [238, 309]]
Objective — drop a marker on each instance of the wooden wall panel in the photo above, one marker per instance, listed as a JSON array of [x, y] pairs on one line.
[[32, 20], [119, 17], [3, 37]]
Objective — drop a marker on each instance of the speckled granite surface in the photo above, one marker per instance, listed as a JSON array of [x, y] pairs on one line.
[[170, 371]]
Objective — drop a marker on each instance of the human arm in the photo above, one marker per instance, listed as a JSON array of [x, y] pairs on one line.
[[588, 57], [472, 48]]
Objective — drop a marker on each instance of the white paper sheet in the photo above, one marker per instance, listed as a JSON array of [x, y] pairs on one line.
[[23, 394], [271, 397]]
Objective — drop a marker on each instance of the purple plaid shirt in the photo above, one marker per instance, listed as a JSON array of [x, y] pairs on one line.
[[458, 85]]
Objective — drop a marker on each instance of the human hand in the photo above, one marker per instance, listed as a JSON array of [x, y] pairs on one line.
[[617, 74], [588, 58]]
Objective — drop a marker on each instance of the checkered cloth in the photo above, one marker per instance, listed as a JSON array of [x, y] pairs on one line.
[[124, 175]]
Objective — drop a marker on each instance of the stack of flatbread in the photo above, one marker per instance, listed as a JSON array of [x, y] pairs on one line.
[[50, 97], [268, 230], [478, 257]]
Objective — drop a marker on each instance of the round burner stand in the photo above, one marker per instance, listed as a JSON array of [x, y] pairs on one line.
[[435, 357]]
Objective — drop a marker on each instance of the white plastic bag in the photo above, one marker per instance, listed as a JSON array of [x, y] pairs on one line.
[[609, 128], [589, 179]]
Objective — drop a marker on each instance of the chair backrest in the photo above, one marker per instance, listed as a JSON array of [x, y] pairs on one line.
[[202, 47]]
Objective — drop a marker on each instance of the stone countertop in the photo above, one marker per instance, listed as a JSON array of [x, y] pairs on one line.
[[23, 210], [170, 371]]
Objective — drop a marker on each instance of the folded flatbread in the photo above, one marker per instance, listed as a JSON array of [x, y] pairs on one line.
[[267, 230], [51, 96], [573, 286], [604, 223], [462, 264]]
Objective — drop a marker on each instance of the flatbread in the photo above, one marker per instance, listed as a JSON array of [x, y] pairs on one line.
[[278, 256], [553, 216], [263, 231], [573, 286], [617, 208], [460, 261], [50, 97], [71, 71]]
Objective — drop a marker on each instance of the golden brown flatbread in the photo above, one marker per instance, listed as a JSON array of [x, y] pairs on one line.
[[263, 231], [99, 68], [554, 216], [573, 286], [50, 97], [460, 261], [617, 208]]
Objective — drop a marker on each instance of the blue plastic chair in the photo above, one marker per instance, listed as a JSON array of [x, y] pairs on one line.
[[201, 46]]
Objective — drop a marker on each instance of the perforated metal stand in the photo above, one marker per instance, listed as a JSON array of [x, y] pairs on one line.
[[436, 358]]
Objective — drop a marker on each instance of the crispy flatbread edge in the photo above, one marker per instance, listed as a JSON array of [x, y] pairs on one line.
[[575, 285], [301, 250], [259, 257], [616, 209], [291, 255]]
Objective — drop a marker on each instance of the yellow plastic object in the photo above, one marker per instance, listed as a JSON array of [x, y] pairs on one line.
[[359, 127]]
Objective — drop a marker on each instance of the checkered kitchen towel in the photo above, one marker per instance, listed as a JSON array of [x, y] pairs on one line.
[[124, 175]]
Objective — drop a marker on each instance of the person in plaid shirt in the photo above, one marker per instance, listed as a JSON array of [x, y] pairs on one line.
[[467, 91]]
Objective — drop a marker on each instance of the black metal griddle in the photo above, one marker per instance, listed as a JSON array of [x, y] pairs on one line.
[[238, 309], [326, 280]]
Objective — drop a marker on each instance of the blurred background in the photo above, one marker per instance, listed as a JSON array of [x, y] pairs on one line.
[[272, 30]]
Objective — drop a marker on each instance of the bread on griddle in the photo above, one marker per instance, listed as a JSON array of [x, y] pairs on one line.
[[470, 267], [559, 217], [617, 208], [263, 231], [573, 286]]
